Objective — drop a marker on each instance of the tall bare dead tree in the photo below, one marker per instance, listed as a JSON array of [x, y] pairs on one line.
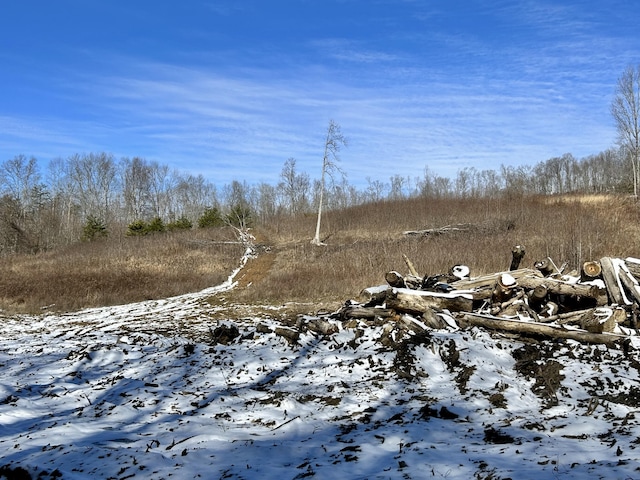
[[332, 145], [625, 109]]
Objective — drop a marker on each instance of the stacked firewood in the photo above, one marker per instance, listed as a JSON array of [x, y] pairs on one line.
[[598, 304]]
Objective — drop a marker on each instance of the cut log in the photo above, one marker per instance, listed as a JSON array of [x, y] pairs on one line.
[[559, 287], [531, 328], [373, 296], [590, 271], [394, 279], [600, 320], [414, 301], [517, 253], [460, 272], [289, 334], [504, 288], [321, 326], [629, 282], [537, 296], [633, 265], [546, 267], [490, 280], [612, 282], [358, 311]]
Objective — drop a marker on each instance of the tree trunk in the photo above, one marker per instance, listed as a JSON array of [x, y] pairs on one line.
[[559, 287], [358, 311], [323, 327], [633, 264], [611, 280], [474, 319], [415, 301], [483, 286]]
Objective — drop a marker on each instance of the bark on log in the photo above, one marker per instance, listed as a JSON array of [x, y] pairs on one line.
[[629, 283], [546, 267], [432, 320], [414, 301], [321, 326], [600, 320], [490, 280], [474, 319], [611, 280], [633, 264], [357, 311], [289, 334], [559, 287], [568, 317]]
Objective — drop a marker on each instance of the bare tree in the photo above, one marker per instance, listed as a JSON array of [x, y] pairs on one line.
[[136, 182], [334, 141], [161, 187], [193, 194], [295, 187], [626, 113], [18, 178], [95, 180]]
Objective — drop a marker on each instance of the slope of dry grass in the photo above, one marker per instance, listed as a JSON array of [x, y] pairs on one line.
[[116, 271], [362, 244], [365, 242]]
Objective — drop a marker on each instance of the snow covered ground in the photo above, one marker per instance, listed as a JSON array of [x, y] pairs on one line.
[[140, 391]]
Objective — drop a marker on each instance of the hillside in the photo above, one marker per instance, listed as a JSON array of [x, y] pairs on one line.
[[164, 388]]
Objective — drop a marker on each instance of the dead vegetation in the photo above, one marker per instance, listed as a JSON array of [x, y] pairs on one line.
[[362, 243], [116, 271]]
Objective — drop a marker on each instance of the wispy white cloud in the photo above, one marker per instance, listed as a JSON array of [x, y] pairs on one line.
[[455, 99]]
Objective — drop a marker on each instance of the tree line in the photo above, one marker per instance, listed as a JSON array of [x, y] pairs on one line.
[[88, 194]]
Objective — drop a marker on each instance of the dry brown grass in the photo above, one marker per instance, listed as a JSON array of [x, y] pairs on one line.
[[116, 271], [363, 243]]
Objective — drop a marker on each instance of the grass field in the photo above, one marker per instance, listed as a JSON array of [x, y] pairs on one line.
[[362, 244]]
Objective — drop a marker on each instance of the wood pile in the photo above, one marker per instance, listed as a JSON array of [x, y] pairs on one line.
[[599, 304]]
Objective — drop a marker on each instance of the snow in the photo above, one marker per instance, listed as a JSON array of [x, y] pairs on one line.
[[139, 391]]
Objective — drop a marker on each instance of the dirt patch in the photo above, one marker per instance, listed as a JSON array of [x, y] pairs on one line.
[[257, 268], [404, 361], [534, 362], [451, 357]]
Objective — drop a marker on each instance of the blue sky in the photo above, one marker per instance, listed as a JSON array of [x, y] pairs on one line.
[[231, 89]]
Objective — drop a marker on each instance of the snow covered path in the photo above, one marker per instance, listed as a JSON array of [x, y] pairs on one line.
[[114, 393]]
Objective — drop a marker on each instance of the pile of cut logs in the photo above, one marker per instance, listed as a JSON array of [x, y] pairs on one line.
[[599, 304]]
